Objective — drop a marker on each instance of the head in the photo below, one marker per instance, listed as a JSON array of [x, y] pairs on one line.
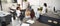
[[18, 8], [45, 4], [32, 10]]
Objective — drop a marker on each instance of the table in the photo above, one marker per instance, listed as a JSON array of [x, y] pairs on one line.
[[50, 18]]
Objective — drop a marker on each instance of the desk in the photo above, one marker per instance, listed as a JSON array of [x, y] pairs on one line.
[[5, 17], [52, 17]]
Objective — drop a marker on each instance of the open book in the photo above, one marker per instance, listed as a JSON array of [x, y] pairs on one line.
[[30, 21]]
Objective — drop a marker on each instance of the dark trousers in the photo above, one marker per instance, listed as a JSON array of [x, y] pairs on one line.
[[14, 17], [14, 13], [21, 18], [22, 15]]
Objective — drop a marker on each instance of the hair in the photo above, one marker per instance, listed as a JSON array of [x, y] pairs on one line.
[[54, 8], [32, 13], [45, 4], [17, 8], [25, 0]]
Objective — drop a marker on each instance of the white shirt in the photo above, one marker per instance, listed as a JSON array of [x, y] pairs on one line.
[[37, 15], [44, 10], [18, 12]]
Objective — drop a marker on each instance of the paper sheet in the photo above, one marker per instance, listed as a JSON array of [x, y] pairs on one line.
[[31, 21], [24, 24]]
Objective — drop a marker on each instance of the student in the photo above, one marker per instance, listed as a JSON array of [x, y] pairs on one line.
[[13, 11], [27, 13], [18, 11], [32, 14], [44, 8]]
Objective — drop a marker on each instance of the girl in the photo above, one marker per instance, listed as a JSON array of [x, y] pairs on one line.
[[44, 8], [27, 13], [32, 14]]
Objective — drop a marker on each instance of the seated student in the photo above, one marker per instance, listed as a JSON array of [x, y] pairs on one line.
[[32, 14], [27, 13], [18, 11]]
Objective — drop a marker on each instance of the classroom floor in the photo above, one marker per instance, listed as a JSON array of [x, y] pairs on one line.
[[17, 23]]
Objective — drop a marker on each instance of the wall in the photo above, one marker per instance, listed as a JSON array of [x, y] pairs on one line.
[[0, 7], [37, 3], [50, 3]]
